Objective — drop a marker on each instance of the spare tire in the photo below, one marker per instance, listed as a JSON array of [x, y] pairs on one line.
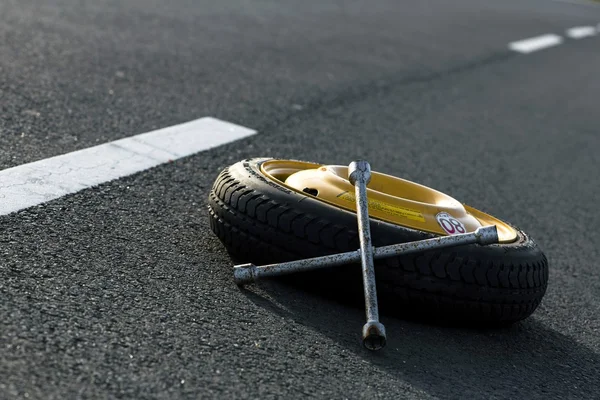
[[259, 220]]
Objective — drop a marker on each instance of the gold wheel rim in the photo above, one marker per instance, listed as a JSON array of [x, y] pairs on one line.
[[391, 199]]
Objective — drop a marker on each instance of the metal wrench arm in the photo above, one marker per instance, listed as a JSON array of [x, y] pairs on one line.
[[483, 236]]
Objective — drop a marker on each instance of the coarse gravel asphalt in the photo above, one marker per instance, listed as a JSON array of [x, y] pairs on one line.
[[122, 291]]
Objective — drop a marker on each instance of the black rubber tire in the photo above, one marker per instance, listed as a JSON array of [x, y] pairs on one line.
[[260, 221]]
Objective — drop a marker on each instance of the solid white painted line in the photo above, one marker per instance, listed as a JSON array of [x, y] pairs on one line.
[[580, 32], [535, 43], [41, 181]]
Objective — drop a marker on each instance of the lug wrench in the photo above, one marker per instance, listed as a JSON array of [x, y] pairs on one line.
[[247, 273], [373, 331]]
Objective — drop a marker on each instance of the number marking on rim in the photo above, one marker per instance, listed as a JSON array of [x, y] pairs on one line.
[[449, 224]]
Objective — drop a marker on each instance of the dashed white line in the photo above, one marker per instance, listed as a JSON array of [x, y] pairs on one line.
[[579, 3], [31, 184], [541, 42], [535, 43], [580, 32]]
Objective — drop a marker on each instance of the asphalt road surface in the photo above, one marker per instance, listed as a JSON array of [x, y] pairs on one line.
[[122, 291]]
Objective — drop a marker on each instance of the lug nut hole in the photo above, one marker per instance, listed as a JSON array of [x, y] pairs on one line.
[[311, 191]]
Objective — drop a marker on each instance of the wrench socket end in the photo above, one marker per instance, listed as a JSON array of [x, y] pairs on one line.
[[359, 170], [374, 337], [244, 274], [487, 235]]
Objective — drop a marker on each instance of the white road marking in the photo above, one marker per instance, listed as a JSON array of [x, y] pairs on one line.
[[41, 181], [580, 32], [535, 43], [579, 3]]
